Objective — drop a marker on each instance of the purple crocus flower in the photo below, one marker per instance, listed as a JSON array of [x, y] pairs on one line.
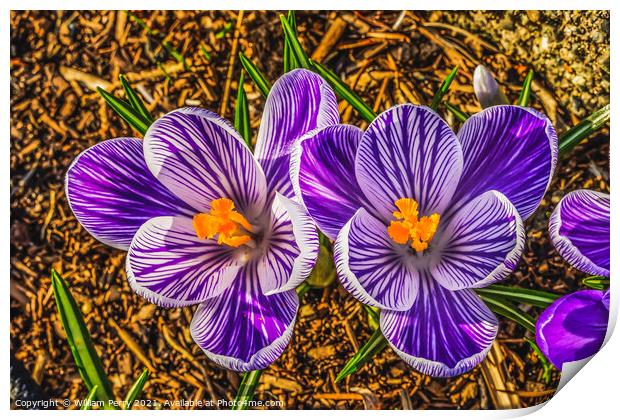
[[574, 326], [206, 222], [421, 216]]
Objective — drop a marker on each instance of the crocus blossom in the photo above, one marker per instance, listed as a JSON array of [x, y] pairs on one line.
[[487, 90], [206, 222], [421, 216], [574, 326]]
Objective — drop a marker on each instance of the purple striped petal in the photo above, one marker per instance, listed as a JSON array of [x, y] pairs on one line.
[[486, 88], [292, 249], [409, 152], [373, 268], [480, 245], [170, 266], [323, 175], [112, 192], [200, 158], [509, 149], [299, 101], [579, 230], [573, 327], [445, 333], [243, 329]]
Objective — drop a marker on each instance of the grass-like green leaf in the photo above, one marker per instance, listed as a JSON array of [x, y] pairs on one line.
[[458, 114], [526, 90], [290, 36], [589, 125], [255, 74], [87, 404], [290, 61], [596, 282], [443, 89], [242, 114], [86, 359], [373, 316], [344, 91], [135, 102], [507, 310], [545, 363], [246, 389], [125, 111], [136, 389], [375, 344], [537, 298]]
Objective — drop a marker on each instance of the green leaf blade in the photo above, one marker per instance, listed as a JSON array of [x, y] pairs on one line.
[[345, 92], [125, 111], [290, 61], [443, 89], [135, 101], [88, 362], [458, 114], [136, 389], [579, 132], [294, 44], [526, 90], [375, 344], [507, 310], [537, 298], [242, 114], [88, 402], [255, 74]]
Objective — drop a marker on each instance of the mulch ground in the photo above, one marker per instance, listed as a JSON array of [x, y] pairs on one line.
[[176, 59]]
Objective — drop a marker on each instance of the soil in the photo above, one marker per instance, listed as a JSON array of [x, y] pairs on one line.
[[57, 60]]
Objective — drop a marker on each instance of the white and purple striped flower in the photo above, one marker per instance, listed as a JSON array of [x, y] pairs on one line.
[[574, 326], [206, 222], [421, 216]]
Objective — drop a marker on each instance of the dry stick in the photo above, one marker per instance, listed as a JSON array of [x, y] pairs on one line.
[[231, 63], [496, 377], [331, 37]]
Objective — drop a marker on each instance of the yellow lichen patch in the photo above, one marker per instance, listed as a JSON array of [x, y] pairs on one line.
[[407, 226], [223, 220]]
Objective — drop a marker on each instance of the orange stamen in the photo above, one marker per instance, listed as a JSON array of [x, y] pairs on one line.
[[224, 221], [409, 227]]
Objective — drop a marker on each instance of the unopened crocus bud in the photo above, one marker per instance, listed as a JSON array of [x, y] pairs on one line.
[[487, 89]]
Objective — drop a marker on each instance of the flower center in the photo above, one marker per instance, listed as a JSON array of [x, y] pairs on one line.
[[223, 220], [407, 226]]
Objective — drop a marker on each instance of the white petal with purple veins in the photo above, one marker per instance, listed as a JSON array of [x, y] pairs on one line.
[[169, 265], [480, 245], [243, 329], [509, 149], [374, 269], [580, 227], [200, 158], [292, 247], [298, 102], [112, 192], [445, 333], [409, 152], [323, 176]]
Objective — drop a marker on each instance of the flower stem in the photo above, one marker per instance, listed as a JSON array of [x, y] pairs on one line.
[[246, 389]]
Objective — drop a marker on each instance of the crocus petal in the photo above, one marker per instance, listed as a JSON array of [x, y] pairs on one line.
[[373, 268], [579, 230], [408, 152], [573, 327], [243, 329], [169, 265], [200, 158], [509, 149], [112, 192], [292, 249], [486, 88], [445, 333], [480, 245], [299, 101], [323, 175]]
